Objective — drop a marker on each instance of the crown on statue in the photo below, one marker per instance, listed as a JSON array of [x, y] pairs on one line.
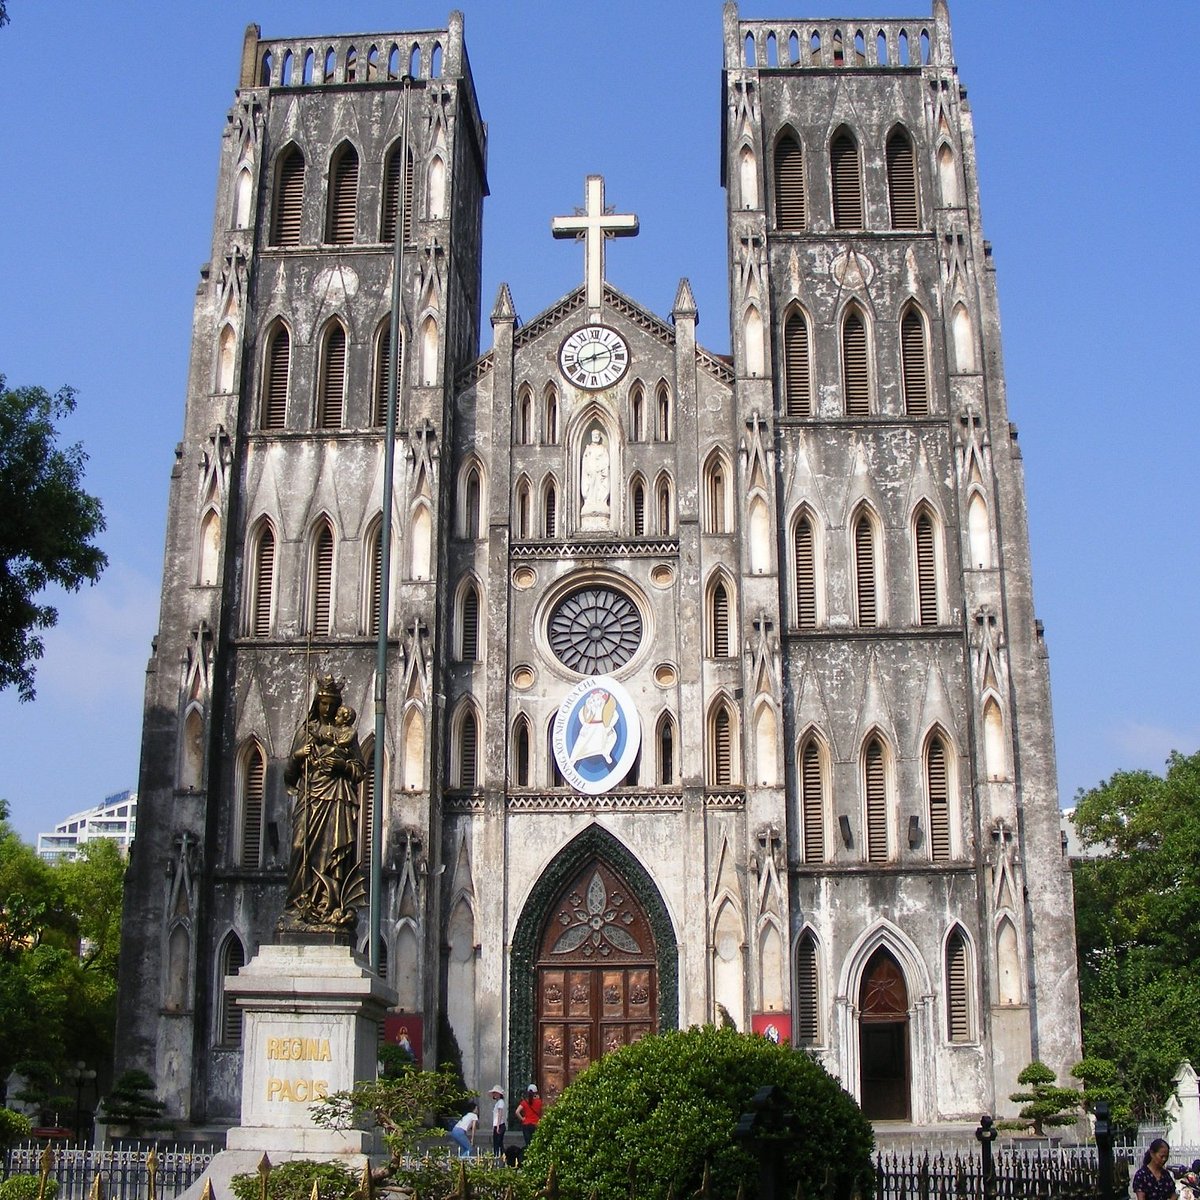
[[328, 686]]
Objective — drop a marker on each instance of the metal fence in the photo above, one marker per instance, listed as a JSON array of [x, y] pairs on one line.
[[1019, 1175], [159, 1172]]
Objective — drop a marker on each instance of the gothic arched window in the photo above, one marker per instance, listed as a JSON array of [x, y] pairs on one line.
[[812, 800], [856, 369], [320, 593], [914, 368], [797, 366], [958, 991], [250, 833], [791, 211], [808, 1025], [229, 1019], [902, 181], [332, 395], [937, 793], [289, 199], [846, 178], [262, 582], [721, 730], [665, 750], [277, 370], [925, 561], [865, 573], [804, 564], [395, 177], [522, 764], [343, 196], [719, 633], [468, 625], [874, 766]]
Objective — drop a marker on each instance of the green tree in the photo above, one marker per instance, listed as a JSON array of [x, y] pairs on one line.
[[1045, 1103], [132, 1103], [49, 524], [663, 1112], [1137, 924]]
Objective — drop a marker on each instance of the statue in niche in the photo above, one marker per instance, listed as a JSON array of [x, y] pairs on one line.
[[593, 480], [323, 772]]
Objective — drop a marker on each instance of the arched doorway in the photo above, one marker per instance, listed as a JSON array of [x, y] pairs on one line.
[[883, 1040], [596, 975]]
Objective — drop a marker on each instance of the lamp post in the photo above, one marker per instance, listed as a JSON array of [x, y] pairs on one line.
[[79, 1074]]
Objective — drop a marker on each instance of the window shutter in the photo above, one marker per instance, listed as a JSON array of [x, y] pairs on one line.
[[252, 811], [722, 748], [470, 626], [383, 364], [798, 385], [927, 606], [864, 566], [391, 192], [902, 181], [807, 1025], [322, 590], [877, 847], [279, 357], [231, 1015], [789, 184], [408, 198], [468, 745], [912, 365], [639, 510], [551, 512], [367, 820], [806, 575], [958, 1013], [375, 582], [855, 372], [847, 189], [720, 621], [939, 801], [343, 198], [333, 379], [289, 200], [812, 803], [264, 581]]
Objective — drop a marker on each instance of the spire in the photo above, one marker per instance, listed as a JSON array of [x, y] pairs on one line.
[[503, 309], [685, 302]]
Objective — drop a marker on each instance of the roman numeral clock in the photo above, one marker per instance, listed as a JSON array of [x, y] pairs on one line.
[[594, 357]]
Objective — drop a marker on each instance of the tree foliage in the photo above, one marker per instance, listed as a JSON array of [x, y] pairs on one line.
[[58, 959], [132, 1103], [663, 1111], [1044, 1103], [1137, 924], [46, 537], [295, 1180]]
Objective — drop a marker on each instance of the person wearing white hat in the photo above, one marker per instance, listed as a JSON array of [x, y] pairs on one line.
[[499, 1128]]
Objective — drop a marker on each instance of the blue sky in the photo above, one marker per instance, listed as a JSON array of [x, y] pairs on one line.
[[1088, 149]]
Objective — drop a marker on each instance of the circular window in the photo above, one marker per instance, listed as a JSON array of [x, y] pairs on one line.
[[595, 630]]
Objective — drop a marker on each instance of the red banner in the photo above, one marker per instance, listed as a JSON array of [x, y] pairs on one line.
[[776, 1026]]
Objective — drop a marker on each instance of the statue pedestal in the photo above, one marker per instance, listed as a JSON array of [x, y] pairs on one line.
[[310, 1027]]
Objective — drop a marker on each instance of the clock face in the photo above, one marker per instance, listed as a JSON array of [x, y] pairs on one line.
[[594, 357]]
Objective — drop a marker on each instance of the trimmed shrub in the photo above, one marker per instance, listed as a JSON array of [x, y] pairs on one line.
[[25, 1187], [656, 1112], [293, 1180]]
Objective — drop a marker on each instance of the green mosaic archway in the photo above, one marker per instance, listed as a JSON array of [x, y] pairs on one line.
[[593, 843]]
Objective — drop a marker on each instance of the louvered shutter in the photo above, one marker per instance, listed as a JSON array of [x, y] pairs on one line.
[[902, 181], [343, 198], [367, 794], [913, 366], [807, 1025], [722, 748], [958, 1013], [252, 811], [375, 583], [279, 357], [877, 846], [231, 1015], [322, 586], [264, 584], [855, 371], [790, 211], [551, 513], [720, 621], [383, 364], [468, 747], [806, 575], [797, 370], [391, 193], [864, 567], [639, 510], [470, 626], [812, 803], [408, 197], [289, 200], [333, 379], [926, 572], [847, 187], [939, 801]]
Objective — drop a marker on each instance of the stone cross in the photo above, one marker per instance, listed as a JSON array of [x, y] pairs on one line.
[[593, 225]]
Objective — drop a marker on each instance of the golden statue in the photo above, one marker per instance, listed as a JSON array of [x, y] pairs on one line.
[[323, 772]]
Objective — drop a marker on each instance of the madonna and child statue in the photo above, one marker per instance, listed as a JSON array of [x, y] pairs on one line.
[[324, 774]]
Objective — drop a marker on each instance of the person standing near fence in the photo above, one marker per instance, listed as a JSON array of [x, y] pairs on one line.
[[1152, 1180], [499, 1128], [464, 1132]]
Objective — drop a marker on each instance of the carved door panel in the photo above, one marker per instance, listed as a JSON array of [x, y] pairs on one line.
[[883, 1040], [597, 977]]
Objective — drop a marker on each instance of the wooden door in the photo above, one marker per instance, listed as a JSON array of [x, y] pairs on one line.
[[883, 1040], [597, 977]]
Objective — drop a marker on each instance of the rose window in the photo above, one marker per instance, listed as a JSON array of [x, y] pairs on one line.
[[595, 630]]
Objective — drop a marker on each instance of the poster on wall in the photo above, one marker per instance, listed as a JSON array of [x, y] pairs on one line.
[[405, 1030], [775, 1026]]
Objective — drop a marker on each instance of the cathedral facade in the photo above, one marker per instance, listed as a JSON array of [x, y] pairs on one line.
[[713, 687]]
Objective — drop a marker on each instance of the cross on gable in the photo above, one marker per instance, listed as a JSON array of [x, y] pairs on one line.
[[593, 225]]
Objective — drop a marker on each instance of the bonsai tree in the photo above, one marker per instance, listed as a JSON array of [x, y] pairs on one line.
[[1045, 1103], [133, 1104], [658, 1118]]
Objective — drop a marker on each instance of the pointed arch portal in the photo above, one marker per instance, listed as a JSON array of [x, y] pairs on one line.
[[594, 963]]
